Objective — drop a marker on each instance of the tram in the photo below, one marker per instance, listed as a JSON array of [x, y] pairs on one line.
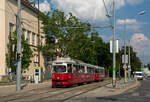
[[67, 71]]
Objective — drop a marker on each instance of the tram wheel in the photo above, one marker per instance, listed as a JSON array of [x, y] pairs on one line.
[[67, 86], [53, 86]]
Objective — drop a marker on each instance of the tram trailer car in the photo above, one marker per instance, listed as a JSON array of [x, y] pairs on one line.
[[66, 72], [99, 73]]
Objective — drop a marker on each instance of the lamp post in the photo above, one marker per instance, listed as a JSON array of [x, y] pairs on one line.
[[125, 59], [114, 46], [19, 53]]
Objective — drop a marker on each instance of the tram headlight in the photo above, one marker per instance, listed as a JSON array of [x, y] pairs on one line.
[[57, 78]]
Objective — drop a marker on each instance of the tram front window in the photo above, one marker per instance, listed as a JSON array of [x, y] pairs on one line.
[[59, 69]]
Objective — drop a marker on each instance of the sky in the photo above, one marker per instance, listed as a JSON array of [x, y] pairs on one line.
[[93, 11]]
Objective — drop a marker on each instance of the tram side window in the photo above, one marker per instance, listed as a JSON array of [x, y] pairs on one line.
[[88, 70], [78, 69], [92, 70], [74, 69], [69, 68], [101, 71], [82, 68], [96, 71]]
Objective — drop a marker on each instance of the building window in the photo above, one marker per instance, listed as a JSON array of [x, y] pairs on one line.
[[28, 38], [33, 37], [11, 26], [37, 40], [41, 40], [24, 33]]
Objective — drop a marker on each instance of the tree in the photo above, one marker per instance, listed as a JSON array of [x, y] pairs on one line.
[[11, 56], [134, 59], [148, 65], [79, 43]]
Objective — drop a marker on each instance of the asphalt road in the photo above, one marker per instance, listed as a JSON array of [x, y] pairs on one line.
[[141, 94]]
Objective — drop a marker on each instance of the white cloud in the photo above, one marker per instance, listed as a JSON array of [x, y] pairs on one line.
[[106, 37], [131, 24], [91, 10], [44, 6], [141, 45], [134, 2], [128, 21]]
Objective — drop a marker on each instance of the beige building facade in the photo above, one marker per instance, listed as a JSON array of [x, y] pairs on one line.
[[8, 12]]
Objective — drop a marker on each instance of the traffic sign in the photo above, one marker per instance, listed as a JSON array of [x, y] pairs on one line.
[[125, 66], [125, 59]]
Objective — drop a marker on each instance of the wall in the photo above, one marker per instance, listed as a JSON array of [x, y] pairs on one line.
[[8, 12], [2, 36]]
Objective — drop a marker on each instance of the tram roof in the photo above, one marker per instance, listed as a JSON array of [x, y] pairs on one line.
[[69, 60]]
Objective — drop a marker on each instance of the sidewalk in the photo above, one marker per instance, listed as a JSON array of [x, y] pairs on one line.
[[11, 89], [108, 90]]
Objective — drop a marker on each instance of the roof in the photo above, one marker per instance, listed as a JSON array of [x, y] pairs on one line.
[[69, 60], [28, 5]]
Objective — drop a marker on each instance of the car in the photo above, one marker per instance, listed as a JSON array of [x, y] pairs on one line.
[[139, 75]]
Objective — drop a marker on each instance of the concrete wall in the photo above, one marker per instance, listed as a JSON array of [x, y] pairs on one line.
[[2, 38]]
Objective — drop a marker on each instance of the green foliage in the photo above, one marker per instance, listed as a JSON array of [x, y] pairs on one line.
[[80, 43], [135, 61], [27, 53], [77, 40], [148, 65]]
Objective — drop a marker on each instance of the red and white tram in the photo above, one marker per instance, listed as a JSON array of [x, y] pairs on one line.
[[67, 71]]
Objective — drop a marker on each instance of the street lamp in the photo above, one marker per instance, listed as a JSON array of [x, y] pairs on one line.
[[141, 13], [125, 62]]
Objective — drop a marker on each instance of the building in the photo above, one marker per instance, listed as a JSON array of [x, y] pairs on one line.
[[8, 12]]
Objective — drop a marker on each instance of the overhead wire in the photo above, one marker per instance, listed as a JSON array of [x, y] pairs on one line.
[[107, 12]]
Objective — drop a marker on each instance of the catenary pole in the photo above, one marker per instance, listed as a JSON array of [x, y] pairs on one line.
[[114, 46], [19, 54], [129, 66], [38, 33], [125, 72]]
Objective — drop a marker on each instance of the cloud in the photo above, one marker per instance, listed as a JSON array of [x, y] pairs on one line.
[[131, 24], [134, 2], [141, 45], [106, 37], [128, 21], [44, 6], [91, 10]]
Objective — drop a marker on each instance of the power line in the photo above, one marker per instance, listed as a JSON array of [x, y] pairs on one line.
[[108, 15], [108, 26]]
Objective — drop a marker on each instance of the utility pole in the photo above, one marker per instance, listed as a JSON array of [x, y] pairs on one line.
[[38, 33], [114, 46], [129, 66], [125, 72], [19, 53]]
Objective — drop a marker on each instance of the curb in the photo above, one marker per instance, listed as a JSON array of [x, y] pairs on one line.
[[132, 87]]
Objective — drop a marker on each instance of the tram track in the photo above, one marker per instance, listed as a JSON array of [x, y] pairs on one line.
[[73, 93], [53, 94], [22, 92], [25, 94]]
